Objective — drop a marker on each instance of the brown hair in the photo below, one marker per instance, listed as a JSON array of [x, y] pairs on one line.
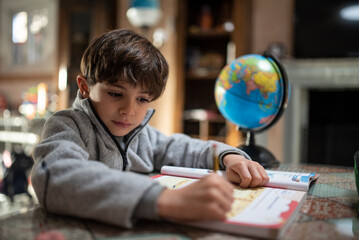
[[123, 54]]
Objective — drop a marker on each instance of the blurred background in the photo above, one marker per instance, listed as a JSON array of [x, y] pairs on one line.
[[42, 42]]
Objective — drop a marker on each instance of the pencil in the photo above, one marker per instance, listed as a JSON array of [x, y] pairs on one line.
[[215, 158]]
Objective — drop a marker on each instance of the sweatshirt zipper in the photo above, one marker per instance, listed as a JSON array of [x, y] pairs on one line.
[[143, 124], [122, 152]]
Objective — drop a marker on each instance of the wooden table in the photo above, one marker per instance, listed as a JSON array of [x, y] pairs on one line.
[[331, 211]]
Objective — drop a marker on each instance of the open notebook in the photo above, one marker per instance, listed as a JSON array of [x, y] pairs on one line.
[[264, 212]]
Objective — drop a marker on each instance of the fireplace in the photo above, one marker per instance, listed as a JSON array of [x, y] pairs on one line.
[[332, 134], [321, 123]]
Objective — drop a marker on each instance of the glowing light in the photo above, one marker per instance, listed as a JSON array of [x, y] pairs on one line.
[[28, 110], [18, 121], [6, 113], [158, 37], [6, 158], [350, 13], [18, 137], [41, 98], [39, 22], [62, 78], [144, 13], [19, 28], [228, 26], [143, 17]]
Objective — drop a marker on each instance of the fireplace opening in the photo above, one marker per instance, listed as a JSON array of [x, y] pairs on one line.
[[332, 134]]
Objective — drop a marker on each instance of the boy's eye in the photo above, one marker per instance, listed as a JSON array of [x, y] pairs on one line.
[[144, 100], [112, 94]]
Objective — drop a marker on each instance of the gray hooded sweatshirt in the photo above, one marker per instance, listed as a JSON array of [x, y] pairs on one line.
[[82, 170]]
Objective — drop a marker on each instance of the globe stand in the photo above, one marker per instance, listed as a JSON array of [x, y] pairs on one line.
[[258, 153]]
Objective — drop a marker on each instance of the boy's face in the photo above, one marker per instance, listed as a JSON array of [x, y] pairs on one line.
[[121, 106]]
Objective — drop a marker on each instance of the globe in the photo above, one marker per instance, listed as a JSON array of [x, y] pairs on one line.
[[252, 92]]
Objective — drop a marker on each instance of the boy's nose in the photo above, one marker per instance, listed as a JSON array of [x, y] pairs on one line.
[[128, 109]]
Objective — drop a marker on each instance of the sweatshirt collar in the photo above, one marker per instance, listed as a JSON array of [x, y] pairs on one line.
[[85, 105]]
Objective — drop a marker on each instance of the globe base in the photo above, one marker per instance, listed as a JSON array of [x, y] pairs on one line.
[[261, 155]]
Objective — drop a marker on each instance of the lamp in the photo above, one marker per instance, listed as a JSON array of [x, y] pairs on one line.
[[144, 13]]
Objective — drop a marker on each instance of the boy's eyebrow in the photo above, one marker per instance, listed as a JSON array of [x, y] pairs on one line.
[[117, 85], [123, 88]]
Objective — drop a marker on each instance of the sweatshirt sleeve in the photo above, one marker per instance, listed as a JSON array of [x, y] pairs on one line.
[[67, 182], [182, 150]]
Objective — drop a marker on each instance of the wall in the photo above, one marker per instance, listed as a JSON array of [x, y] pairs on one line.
[[272, 23]]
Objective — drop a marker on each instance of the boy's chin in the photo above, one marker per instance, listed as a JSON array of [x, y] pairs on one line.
[[119, 133]]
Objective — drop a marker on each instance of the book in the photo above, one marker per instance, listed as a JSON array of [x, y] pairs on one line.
[[262, 212], [277, 179]]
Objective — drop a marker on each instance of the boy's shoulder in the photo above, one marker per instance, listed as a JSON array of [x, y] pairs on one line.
[[70, 116], [69, 112], [68, 120]]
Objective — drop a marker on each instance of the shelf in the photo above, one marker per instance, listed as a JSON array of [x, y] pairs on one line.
[[206, 50], [204, 124], [203, 74], [203, 115], [212, 33]]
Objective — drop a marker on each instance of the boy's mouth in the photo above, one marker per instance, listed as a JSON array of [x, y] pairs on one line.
[[122, 124]]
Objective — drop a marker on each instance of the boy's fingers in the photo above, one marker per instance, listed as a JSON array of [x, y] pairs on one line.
[[250, 174], [262, 174], [256, 177], [223, 202], [221, 185], [221, 191], [245, 177], [214, 211], [234, 177], [265, 177]]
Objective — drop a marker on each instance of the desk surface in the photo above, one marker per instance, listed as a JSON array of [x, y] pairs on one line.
[[330, 212]]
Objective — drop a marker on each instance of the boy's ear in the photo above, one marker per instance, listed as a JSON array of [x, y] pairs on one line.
[[83, 85]]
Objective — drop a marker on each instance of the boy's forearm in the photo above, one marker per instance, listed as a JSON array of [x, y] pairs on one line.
[[147, 208], [90, 189]]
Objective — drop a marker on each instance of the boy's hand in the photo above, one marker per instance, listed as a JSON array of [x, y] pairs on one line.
[[209, 198], [244, 172]]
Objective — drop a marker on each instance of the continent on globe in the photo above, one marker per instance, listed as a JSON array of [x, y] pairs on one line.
[[249, 91]]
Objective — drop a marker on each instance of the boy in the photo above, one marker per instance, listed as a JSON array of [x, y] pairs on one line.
[[94, 158]]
